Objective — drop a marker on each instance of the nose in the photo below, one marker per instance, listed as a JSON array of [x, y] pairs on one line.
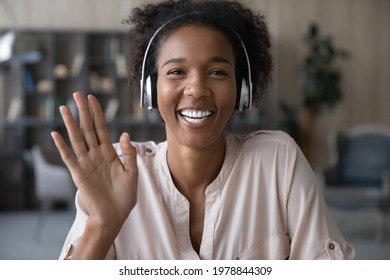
[[196, 86]]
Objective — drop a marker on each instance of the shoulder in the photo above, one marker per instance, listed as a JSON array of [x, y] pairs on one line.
[[265, 145], [267, 138]]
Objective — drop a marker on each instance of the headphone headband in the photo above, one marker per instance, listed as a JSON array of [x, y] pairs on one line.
[[245, 98]]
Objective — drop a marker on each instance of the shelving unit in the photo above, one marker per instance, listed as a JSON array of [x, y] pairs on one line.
[[32, 91]]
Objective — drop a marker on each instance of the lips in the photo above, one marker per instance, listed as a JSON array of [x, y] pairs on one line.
[[195, 116]]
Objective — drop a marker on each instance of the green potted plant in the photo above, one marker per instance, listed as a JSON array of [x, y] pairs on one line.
[[321, 89]]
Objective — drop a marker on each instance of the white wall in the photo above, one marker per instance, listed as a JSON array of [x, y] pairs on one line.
[[66, 14]]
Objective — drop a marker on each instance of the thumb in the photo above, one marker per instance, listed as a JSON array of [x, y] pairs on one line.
[[129, 153]]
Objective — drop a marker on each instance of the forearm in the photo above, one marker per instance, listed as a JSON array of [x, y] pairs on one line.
[[95, 242]]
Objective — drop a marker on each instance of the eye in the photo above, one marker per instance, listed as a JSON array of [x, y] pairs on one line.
[[176, 73], [218, 73]]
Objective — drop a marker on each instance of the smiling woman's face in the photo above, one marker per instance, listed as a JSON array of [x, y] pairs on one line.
[[196, 86]]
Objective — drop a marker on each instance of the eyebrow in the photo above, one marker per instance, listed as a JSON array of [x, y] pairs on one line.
[[215, 59], [173, 60]]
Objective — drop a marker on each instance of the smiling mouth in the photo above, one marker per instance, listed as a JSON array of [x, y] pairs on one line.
[[195, 116]]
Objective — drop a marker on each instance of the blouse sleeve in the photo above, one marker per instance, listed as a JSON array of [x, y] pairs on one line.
[[73, 238], [313, 233]]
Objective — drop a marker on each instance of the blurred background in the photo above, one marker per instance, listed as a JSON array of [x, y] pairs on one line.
[[330, 91]]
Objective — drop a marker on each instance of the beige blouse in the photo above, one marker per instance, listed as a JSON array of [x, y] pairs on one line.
[[264, 204]]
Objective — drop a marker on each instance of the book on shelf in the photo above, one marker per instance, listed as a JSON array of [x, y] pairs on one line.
[[15, 109], [111, 49], [71, 104], [28, 82], [77, 65], [111, 109], [120, 63]]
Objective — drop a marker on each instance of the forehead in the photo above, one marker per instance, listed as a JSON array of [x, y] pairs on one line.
[[195, 38]]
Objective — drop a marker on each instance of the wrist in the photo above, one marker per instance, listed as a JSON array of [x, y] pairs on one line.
[[104, 231], [96, 240]]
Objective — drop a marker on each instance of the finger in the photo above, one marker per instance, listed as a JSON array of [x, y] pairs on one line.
[[75, 137], [129, 153], [99, 121], [86, 122], [64, 151]]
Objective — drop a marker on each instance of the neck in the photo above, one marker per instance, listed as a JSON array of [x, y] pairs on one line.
[[193, 169]]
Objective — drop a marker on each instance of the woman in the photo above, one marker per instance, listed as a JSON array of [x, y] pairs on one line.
[[204, 193]]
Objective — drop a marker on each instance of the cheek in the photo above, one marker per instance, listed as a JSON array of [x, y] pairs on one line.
[[228, 100], [165, 97]]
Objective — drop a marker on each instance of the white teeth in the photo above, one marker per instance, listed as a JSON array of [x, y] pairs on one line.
[[195, 121], [195, 117], [195, 114]]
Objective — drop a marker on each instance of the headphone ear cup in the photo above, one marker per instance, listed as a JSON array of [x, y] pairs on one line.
[[148, 91], [243, 102], [151, 91]]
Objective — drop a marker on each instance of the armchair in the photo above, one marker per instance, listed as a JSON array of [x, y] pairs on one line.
[[53, 182], [357, 182]]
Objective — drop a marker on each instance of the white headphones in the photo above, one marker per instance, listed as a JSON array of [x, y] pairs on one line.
[[148, 94]]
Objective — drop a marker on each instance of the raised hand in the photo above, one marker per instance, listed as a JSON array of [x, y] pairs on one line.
[[107, 186]]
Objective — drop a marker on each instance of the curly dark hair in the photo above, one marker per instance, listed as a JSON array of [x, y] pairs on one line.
[[224, 16]]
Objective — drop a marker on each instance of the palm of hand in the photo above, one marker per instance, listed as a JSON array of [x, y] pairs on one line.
[[107, 185], [101, 178]]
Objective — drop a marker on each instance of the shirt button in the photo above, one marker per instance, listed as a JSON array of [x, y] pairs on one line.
[[331, 246]]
